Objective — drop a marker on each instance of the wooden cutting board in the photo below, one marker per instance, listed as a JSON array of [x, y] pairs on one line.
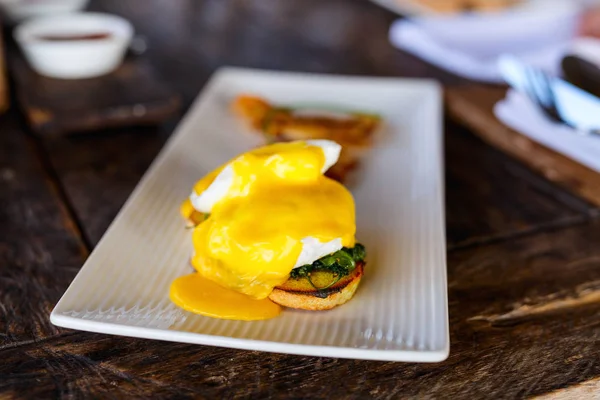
[[472, 105], [131, 95]]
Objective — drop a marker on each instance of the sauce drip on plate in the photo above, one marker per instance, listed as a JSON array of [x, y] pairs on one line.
[[201, 296]]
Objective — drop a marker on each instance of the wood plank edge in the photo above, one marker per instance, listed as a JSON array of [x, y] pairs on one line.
[[585, 390], [554, 166]]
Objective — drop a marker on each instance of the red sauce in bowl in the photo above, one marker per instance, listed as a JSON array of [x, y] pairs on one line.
[[73, 37]]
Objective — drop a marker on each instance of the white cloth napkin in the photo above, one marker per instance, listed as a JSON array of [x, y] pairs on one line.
[[469, 44], [520, 114]]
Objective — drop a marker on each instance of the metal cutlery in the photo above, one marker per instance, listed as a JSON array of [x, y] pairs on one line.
[[560, 101]]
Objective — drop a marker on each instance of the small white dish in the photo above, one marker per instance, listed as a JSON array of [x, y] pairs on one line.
[[19, 10], [92, 44], [400, 311], [469, 45], [414, 7]]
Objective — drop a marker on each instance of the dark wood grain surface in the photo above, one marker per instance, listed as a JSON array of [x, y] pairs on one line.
[[131, 95], [39, 247], [523, 261]]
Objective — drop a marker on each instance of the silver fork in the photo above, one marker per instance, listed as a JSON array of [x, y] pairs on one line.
[[538, 86], [542, 93]]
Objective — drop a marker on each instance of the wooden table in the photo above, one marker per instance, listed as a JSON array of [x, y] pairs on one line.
[[523, 255]]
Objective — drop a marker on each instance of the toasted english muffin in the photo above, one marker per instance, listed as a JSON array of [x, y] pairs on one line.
[[299, 293]]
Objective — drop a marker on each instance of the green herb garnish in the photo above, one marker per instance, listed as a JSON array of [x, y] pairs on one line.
[[266, 123], [331, 109], [273, 112], [339, 264]]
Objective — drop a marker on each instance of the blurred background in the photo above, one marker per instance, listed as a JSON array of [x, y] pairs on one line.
[[190, 39], [92, 80]]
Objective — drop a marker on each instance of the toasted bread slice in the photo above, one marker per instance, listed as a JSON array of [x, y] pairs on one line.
[[299, 293], [354, 133]]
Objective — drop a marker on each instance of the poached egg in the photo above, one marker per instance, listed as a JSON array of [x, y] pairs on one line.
[[264, 213]]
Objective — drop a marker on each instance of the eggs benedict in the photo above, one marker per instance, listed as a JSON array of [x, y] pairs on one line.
[[269, 229], [353, 130]]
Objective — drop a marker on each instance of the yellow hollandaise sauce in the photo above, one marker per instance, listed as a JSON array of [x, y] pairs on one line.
[[262, 204], [201, 296]]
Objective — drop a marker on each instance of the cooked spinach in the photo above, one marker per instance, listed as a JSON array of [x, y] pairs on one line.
[[339, 264]]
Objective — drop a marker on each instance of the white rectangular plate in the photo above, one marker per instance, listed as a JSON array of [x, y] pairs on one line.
[[399, 312]]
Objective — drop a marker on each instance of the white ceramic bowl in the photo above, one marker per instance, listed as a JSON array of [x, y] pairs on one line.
[[19, 10], [74, 59]]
